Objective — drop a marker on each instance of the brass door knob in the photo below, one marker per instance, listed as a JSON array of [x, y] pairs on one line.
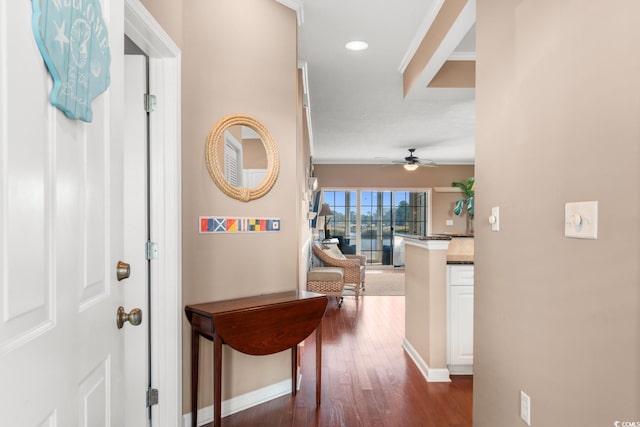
[[134, 317], [123, 270]]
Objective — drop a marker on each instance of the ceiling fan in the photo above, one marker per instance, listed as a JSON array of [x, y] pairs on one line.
[[412, 162]]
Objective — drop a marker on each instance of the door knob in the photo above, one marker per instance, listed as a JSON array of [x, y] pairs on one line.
[[122, 270], [134, 317]]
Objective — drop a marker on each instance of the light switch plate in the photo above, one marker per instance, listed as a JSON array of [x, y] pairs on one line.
[[581, 220], [494, 219], [525, 407]]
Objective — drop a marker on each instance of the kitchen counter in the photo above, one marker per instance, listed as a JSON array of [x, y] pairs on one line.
[[426, 298], [459, 249], [459, 261]]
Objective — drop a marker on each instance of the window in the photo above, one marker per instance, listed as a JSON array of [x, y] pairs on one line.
[[365, 221], [343, 222]]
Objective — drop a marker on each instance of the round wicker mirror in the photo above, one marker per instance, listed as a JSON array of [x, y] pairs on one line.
[[215, 157]]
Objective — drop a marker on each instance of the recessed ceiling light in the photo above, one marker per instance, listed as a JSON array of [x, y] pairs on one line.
[[356, 45]]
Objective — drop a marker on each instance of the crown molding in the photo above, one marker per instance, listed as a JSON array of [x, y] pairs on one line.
[[462, 56], [295, 5], [420, 35], [302, 65], [460, 27]]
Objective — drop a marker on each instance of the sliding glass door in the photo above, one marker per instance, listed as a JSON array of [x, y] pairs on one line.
[[376, 232], [343, 223], [365, 221]]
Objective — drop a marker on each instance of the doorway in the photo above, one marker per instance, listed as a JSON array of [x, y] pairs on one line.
[[164, 170]]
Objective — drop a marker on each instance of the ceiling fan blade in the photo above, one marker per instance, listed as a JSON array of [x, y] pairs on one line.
[[429, 164], [412, 159]]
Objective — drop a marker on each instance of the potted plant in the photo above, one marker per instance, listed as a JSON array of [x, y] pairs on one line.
[[468, 201]]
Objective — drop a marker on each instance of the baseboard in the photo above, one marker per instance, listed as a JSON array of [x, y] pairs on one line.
[[431, 375], [242, 402], [461, 369]]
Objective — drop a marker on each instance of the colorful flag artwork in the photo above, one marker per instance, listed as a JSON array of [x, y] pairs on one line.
[[213, 224]]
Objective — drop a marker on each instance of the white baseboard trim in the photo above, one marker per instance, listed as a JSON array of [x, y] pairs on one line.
[[461, 369], [431, 375], [242, 402]]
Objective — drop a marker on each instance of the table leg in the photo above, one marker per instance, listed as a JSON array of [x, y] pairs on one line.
[[195, 348], [318, 362], [217, 380], [294, 370]]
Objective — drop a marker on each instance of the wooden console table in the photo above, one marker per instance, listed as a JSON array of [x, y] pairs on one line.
[[259, 325]]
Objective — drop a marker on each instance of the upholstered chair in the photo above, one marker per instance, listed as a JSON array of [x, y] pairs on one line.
[[354, 266]]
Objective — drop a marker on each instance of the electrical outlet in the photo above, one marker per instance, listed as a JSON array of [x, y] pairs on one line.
[[448, 222], [525, 407]]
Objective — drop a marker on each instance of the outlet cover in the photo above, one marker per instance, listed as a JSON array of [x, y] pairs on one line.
[[494, 219]]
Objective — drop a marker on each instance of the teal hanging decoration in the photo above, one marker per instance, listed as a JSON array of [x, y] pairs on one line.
[[73, 41]]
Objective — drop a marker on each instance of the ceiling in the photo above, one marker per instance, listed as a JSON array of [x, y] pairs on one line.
[[356, 103]]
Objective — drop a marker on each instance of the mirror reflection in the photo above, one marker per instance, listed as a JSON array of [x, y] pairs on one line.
[[242, 157], [245, 159]]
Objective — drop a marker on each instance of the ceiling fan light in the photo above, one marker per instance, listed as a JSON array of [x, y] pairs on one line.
[[411, 166]]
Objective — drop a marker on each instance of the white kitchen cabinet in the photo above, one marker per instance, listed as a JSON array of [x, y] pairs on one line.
[[460, 318]]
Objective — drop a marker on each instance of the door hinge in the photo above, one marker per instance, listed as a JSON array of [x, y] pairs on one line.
[[152, 250], [149, 103], [152, 397]]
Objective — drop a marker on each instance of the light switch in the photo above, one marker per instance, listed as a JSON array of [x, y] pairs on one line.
[[494, 219], [581, 220]]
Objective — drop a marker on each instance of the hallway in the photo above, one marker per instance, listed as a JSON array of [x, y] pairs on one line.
[[367, 378]]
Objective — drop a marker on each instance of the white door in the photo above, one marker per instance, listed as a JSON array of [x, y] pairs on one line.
[[61, 222], [136, 235]]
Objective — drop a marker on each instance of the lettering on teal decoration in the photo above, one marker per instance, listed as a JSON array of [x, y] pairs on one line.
[[74, 43]]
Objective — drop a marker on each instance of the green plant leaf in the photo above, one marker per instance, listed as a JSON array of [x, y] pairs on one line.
[[466, 187], [459, 185]]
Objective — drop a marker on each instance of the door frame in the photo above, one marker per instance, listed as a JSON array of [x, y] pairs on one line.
[[165, 203]]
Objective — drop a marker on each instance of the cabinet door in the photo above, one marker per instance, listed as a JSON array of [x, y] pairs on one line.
[[461, 325]]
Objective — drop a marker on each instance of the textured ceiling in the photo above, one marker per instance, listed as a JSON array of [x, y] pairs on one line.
[[357, 109]]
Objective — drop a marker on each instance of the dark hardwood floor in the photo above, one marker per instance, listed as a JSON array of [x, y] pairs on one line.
[[367, 378]]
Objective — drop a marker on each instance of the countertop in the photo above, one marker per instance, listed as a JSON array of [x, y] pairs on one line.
[[435, 236], [460, 248], [460, 261]]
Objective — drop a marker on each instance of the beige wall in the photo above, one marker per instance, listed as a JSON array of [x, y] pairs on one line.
[[254, 155], [455, 74], [305, 170], [442, 205], [253, 72], [168, 13], [426, 303], [557, 121], [446, 17], [394, 176]]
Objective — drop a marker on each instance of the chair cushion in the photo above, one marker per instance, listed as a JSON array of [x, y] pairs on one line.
[[325, 274], [333, 251]]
